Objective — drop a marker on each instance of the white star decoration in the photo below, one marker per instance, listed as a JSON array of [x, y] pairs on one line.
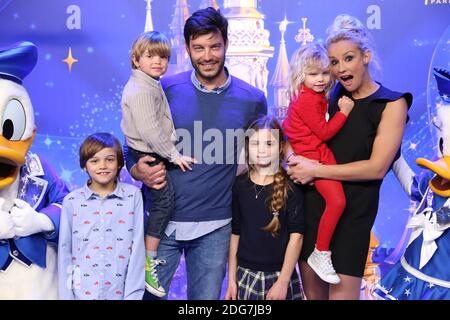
[[407, 292], [407, 279], [48, 142], [35, 197], [430, 285], [37, 183], [66, 175]]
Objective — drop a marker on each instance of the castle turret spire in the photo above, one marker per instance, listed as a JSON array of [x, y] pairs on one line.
[[248, 42], [209, 3], [280, 79], [177, 29], [148, 17]]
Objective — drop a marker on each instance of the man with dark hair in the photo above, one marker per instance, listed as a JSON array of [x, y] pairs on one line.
[[205, 99], [206, 21]]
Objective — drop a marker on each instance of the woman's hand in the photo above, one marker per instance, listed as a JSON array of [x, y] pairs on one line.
[[295, 159], [302, 170], [152, 176]]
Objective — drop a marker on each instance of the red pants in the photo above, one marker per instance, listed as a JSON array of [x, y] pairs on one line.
[[333, 194]]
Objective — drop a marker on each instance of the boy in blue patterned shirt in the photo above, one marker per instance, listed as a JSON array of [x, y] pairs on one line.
[[101, 251]]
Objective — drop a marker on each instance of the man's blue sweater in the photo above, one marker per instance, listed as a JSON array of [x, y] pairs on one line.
[[203, 120]]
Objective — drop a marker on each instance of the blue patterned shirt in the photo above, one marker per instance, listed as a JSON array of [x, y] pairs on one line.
[[101, 253]]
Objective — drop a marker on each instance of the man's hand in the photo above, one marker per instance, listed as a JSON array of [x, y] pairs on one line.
[[152, 176], [28, 221], [6, 223]]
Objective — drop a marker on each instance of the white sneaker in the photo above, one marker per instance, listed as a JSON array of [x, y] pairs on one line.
[[320, 262]]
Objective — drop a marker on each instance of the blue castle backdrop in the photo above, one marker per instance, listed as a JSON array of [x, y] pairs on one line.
[[412, 36]]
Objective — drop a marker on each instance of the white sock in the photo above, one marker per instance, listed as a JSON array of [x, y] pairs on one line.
[[151, 253]]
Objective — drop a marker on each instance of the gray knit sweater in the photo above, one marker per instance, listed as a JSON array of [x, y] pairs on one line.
[[146, 119]]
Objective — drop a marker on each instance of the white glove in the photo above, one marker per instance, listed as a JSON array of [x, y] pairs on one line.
[[28, 221], [6, 223]]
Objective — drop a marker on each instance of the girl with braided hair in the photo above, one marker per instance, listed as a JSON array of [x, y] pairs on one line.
[[267, 224]]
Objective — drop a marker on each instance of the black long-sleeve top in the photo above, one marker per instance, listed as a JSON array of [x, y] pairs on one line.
[[257, 249]]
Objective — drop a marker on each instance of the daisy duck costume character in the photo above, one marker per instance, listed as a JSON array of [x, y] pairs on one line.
[[423, 272], [30, 192]]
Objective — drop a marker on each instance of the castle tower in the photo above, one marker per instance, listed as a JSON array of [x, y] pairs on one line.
[[248, 42], [148, 17], [209, 3], [304, 35], [177, 40], [280, 79]]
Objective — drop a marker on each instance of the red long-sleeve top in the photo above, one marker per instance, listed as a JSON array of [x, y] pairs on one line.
[[306, 127]]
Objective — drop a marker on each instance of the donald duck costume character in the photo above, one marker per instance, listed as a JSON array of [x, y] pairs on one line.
[[30, 192], [423, 272]]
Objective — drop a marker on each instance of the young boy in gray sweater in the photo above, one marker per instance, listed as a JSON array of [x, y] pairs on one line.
[[148, 128]]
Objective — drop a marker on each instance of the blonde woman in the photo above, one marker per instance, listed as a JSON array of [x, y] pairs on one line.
[[364, 149]]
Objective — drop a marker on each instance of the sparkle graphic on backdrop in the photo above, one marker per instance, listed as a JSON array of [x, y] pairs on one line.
[[70, 60], [98, 114]]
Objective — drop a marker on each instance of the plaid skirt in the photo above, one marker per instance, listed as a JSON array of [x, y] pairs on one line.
[[254, 285]]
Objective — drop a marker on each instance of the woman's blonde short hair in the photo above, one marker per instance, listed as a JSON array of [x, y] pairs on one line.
[[347, 27]]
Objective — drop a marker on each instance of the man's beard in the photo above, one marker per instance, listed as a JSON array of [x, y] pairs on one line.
[[208, 77]]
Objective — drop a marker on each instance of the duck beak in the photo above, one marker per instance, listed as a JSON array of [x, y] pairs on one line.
[[12, 157], [440, 184]]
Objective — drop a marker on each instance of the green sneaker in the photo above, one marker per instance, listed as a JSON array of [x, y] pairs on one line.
[[151, 278]]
